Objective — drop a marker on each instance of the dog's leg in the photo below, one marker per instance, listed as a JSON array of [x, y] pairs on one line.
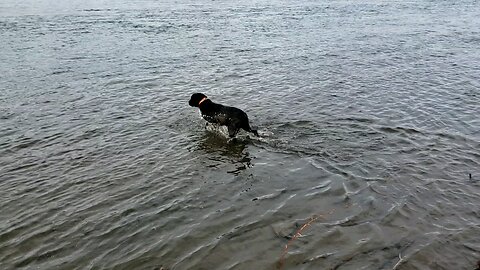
[[232, 130]]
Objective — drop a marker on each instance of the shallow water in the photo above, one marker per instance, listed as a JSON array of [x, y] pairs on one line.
[[369, 114]]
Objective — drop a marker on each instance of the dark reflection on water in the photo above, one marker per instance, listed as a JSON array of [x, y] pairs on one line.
[[368, 113], [220, 150]]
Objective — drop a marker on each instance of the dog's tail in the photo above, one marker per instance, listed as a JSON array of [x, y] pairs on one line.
[[254, 131], [247, 127]]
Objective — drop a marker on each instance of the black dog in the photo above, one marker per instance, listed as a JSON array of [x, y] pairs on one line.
[[232, 117]]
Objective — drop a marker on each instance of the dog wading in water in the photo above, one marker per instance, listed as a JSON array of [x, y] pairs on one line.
[[234, 118]]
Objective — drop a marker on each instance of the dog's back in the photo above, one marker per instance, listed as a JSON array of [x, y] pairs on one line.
[[234, 118]]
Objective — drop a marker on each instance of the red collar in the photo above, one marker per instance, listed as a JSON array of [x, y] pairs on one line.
[[203, 99]]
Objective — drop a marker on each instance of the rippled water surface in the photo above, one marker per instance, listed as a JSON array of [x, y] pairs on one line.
[[369, 113]]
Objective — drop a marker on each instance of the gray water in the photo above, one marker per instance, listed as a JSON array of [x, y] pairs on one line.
[[368, 110]]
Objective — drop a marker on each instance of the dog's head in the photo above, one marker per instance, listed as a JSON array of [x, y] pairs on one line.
[[196, 99]]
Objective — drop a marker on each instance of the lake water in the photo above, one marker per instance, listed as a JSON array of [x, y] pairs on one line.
[[369, 113]]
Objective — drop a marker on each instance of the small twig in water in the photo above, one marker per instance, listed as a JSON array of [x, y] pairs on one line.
[[399, 261], [297, 234]]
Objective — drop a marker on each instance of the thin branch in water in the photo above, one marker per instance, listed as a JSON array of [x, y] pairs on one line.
[[399, 261], [297, 234]]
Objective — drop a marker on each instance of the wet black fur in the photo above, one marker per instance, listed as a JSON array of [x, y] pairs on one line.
[[234, 118]]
